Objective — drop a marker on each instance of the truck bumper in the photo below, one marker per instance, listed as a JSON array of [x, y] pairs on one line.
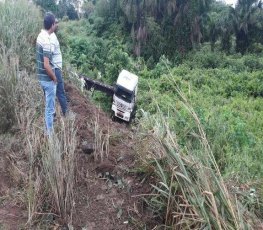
[[121, 114]]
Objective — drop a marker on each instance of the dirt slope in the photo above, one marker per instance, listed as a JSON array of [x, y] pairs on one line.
[[108, 192]]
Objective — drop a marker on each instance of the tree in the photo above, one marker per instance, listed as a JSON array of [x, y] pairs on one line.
[[47, 5], [244, 17], [218, 26], [67, 8], [134, 10], [88, 8], [178, 23]]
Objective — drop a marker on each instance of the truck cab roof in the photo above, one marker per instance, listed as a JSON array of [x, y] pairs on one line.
[[127, 80]]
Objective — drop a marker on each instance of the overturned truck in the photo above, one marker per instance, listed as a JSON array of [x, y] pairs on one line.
[[123, 94]]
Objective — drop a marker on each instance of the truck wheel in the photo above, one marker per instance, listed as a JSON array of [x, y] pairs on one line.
[[133, 113], [113, 118]]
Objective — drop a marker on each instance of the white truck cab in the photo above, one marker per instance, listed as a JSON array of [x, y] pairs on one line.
[[124, 97]]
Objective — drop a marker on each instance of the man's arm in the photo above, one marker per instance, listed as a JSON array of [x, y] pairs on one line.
[[49, 70]]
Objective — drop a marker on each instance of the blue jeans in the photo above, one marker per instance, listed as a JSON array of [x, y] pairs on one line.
[[61, 92], [49, 88]]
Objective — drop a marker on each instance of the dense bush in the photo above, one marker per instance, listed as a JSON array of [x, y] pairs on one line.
[[223, 90], [230, 114], [226, 102]]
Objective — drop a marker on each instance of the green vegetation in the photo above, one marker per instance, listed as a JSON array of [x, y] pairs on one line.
[[190, 192], [227, 101], [62, 8], [221, 85], [224, 90]]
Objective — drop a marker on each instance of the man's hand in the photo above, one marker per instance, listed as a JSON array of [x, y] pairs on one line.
[[49, 70]]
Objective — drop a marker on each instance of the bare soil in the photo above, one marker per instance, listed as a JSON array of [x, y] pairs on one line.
[[108, 191]]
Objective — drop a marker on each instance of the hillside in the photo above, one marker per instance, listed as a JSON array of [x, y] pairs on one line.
[[107, 191]]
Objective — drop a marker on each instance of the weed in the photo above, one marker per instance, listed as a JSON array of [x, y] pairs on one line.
[[102, 137], [59, 167]]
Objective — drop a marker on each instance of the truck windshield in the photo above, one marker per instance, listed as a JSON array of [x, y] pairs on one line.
[[124, 94]]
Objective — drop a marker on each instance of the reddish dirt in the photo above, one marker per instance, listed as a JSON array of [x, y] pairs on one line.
[[108, 193], [12, 215]]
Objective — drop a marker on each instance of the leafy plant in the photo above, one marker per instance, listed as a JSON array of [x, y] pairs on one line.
[[190, 192]]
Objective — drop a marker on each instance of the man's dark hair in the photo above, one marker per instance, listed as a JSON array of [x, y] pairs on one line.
[[49, 20]]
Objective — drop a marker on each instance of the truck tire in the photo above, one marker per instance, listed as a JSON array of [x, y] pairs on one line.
[[113, 118], [133, 113]]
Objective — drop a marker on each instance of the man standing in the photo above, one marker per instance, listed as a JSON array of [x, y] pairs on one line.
[[45, 69], [57, 62]]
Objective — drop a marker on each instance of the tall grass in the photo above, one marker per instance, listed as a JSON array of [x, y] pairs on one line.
[[35, 191], [101, 137], [48, 164], [51, 175], [20, 21], [8, 73], [51, 162], [19, 28], [59, 161], [190, 192]]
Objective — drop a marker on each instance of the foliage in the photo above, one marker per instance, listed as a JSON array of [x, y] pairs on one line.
[[8, 82], [189, 191], [66, 8], [170, 132], [116, 61], [47, 5], [177, 24], [226, 95], [88, 8], [61, 8], [175, 27], [172, 28], [244, 17], [223, 88], [96, 57]]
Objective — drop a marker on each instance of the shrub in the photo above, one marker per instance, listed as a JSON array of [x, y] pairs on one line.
[[117, 60], [253, 63], [206, 59], [189, 191]]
